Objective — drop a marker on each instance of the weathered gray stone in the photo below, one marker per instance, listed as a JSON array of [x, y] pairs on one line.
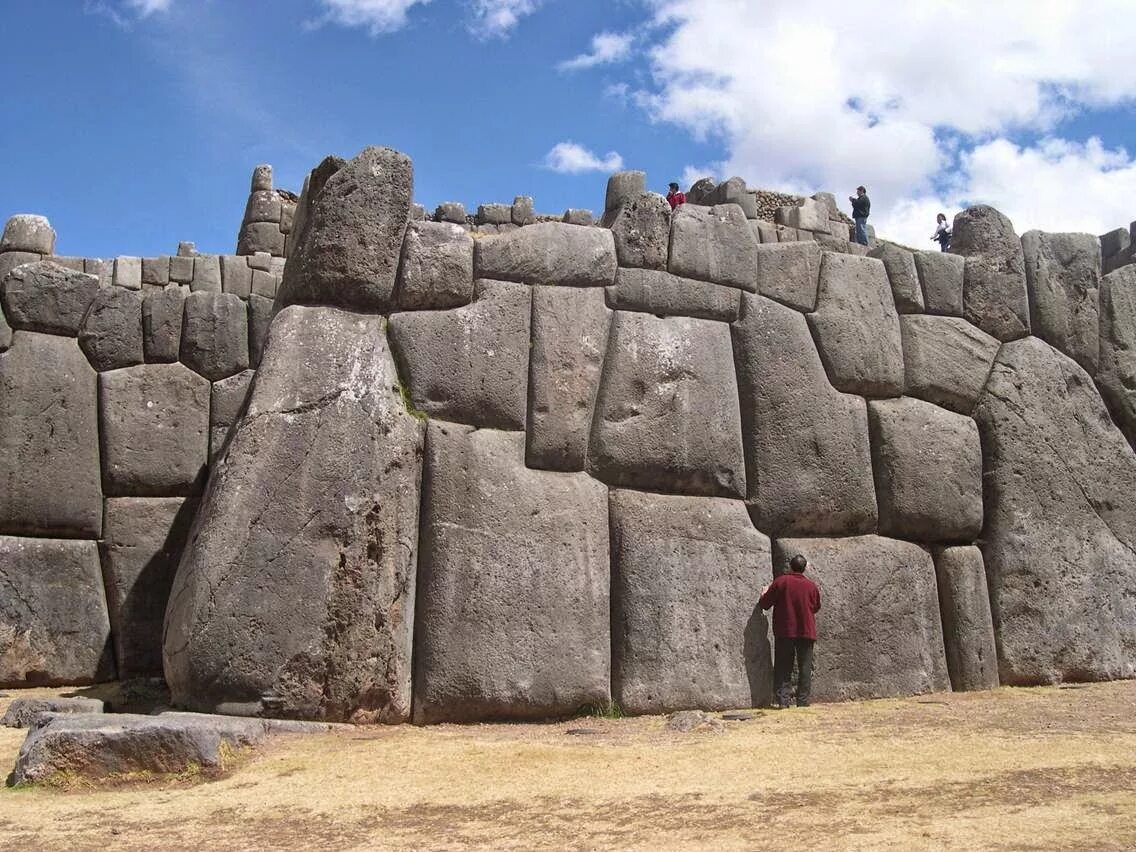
[[181, 270], [264, 284], [807, 215], [686, 629], [128, 272], [101, 269], [261, 177], [642, 231], [206, 273], [832, 209], [522, 211], [700, 191], [656, 292], [878, 631], [947, 360], [450, 211], [621, 188], [899, 263], [259, 320], [186, 248], [549, 253], [513, 614], [46, 297], [28, 232], [928, 471], [667, 414], [288, 216], [713, 244], [226, 401], [493, 214], [578, 216], [5, 332], [569, 339], [1117, 374], [994, 278], [75, 264], [49, 452], [789, 273], [143, 538], [788, 235], [348, 250], [261, 237], [857, 328], [53, 616], [1115, 242], [733, 191], [156, 270], [1063, 278], [469, 364], [111, 333], [162, 313], [155, 430], [766, 232], [214, 336], [941, 276], [968, 631], [9, 260], [236, 276], [310, 521], [1060, 536], [808, 461], [25, 712], [263, 206], [436, 270]]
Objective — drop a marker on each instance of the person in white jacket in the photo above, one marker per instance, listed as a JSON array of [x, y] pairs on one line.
[[942, 233]]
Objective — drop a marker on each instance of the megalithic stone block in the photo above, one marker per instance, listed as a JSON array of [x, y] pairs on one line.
[[28, 232], [994, 277], [551, 253], [946, 360], [46, 297], [111, 333], [1063, 273], [968, 631]]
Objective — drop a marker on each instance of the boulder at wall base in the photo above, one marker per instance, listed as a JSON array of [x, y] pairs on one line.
[[297, 584], [994, 277], [686, 629], [513, 614], [1060, 536], [878, 630], [1063, 278], [54, 627], [968, 631]]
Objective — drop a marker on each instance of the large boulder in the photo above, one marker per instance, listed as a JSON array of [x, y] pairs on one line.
[[713, 244], [642, 232], [622, 187], [296, 591], [857, 328], [808, 461], [903, 276], [941, 276], [878, 630], [994, 278], [50, 479], [436, 269], [214, 336], [1116, 376], [163, 312], [1060, 535], [569, 340], [513, 614], [45, 296], [1063, 279], [789, 273], [552, 253], [667, 415], [348, 231], [28, 232], [469, 364], [686, 629], [656, 292], [54, 627], [968, 630], [26, 712], [111, 333], [947, 360]]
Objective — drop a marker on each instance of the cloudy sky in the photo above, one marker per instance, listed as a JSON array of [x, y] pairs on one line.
[[135, 123]]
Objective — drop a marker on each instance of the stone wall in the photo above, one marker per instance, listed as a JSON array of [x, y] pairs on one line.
[[512, 469]]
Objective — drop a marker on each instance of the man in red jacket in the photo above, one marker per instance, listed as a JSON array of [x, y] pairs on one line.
[[674, 197], [795, 600]]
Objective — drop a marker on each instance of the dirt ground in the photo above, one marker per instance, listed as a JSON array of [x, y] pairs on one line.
[[1011, 769]]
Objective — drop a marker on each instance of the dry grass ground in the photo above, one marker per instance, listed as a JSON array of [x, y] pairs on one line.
[[1012, 769]]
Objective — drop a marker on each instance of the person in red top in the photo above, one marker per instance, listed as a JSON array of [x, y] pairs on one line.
[[675, 197], [795, 600]]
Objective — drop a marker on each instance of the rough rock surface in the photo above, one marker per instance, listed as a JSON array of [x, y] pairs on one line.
[[1060, 535], [50, 480], [713, 244], [259, 321], [28, 232], [5, 332], [143, 538], [436, 270], [1116, 376], [947, 360], [928, 471], [24, 712], [686, 629], [162, 315], [226, 399], [941, 276], [111, 332], [214, 340], [968, 631], [808, 462], [621, 188], [902, 275], [878, 631], [513, 616], [656, 292], [45, 296], [994, 278], [789, 273], [1063, 279], [642, 231], [53, 616], [667, 414], [298, 581], [856, 327], [548, 253], [347, 250], [469, 364], [569, 339], [9, 260]]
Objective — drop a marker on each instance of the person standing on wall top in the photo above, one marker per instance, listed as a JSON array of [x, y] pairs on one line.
[[795, 600], [942, 233], [674, 197], [860, 209]]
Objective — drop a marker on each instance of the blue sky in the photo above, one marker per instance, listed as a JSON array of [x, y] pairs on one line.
[[132, 124]]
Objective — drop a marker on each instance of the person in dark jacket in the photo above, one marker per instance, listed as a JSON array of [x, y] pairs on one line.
[[861, 206], [942, 233], [795, 600], [675, 197]]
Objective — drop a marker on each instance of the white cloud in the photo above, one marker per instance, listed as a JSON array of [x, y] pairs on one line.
[[376, 16], [606, 48], [145, 8], [497, 18], [573, 159]]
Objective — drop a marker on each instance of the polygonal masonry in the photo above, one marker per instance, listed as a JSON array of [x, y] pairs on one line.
[[968, 630], [656, 292], [994, 279], [1063, 280], [713, 244]]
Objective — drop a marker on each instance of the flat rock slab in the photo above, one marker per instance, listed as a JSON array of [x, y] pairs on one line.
[[994, 278], [45, 296], [50, 483], [878, 631], [713, 244], [24, 712], [552, 253], [686, 629], [1063, 274], [436, 269], [469, 364], [789, 273], [662, 294], [667, 414], [968, 629], [947, 360], [941, 276], [54, 627], [513, 615]]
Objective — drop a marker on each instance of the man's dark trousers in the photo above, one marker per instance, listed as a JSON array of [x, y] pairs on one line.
[[784, 652]]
